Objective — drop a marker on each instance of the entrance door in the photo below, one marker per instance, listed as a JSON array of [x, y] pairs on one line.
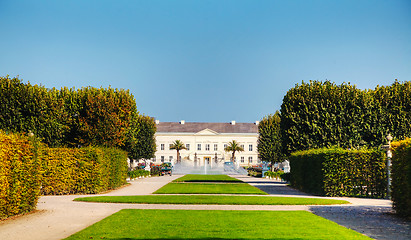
[[207, 160]]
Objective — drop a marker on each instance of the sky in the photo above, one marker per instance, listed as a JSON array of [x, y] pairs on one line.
[[205, 60]]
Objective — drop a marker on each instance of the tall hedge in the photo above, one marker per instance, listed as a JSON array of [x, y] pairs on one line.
[[19, 177], [25, 108], [322, 114], [82, 170], [72, 117], [340, 172], [269, 139], [401, 177]]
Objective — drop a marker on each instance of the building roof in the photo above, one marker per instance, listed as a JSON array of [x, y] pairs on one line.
[[194, 127]]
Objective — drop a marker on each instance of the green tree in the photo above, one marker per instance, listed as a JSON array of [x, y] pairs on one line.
[[269, 139], [233, 147], [141, 142], [178, 145]]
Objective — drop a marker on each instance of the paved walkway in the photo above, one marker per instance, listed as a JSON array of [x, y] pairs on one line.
[[59, 217]]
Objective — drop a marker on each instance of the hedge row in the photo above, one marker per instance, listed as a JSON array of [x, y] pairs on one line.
[[82, 170], [138, 173], [339, 172], [71, 118], [19, 175], [29, 168], [322, 114], [401, 177]]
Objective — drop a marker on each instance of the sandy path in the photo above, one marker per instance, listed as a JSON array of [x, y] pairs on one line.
[[59, 217]]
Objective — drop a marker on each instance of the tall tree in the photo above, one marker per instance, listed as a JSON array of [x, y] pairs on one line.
[[269, 139], [233, 146], [178, 145], [141, 142]]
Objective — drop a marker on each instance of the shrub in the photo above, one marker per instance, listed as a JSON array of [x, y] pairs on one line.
[[19, 177], [401, 177], [339, 172], [82, 170], [138, 173], [323, 114]]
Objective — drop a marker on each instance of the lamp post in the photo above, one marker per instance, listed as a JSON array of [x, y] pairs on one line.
[[389, 156]]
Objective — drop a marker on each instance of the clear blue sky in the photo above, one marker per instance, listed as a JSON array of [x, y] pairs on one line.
[[206, 61]]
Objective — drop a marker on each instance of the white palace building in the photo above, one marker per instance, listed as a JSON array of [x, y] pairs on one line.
[[205, 142]]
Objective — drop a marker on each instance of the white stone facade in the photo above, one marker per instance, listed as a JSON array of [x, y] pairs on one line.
[[205, 145]]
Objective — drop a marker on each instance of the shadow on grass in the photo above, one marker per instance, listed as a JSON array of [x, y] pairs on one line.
[[375, 221]]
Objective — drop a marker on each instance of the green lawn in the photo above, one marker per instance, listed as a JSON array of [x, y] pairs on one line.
[[212, 199], [209, 188], [197, 224], [206, 178]]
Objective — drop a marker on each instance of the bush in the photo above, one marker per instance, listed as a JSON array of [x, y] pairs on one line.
[[401, 177], [276, 175], [323, 114], [155, 170], [19, 177], [82, 170], [339, 172], [138, 173]]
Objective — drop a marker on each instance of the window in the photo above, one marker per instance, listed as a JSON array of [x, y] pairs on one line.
[[250, 159], [215, 147], [207, 147], [225, 146], [242, 159], [171, 158], [169, 146], [154, 159], [162, 146], [162, 158], [199, 147], [188, 147], [250, 147], [242, 146]]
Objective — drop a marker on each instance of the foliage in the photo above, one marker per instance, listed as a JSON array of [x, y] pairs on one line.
[[19, 176], [269, 139], [255, 171], [82, 170], [200, 224], [25, 108], [104, 116], [155, 170], [212, 199], [401, 177], [339, 172], [178, 146], [233, 147], [141, 142], [276, 175], [71, 118], [138, 173], [323, 114]]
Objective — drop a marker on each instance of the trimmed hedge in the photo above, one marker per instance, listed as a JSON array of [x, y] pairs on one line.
[[401, 177], [138, 173], [339, 172], [322, 114], [82, 170], [19, 177]]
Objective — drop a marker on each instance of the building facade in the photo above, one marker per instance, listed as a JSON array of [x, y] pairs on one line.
[[205, 142]]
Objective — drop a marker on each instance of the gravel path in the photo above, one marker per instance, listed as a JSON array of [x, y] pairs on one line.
[[59, 217]]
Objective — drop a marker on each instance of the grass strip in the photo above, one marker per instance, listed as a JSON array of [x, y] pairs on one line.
[[209, 188], [206, 178], [197, 224], [211, 200]]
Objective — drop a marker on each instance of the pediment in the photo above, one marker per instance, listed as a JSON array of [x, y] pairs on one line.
[[207, 132]]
